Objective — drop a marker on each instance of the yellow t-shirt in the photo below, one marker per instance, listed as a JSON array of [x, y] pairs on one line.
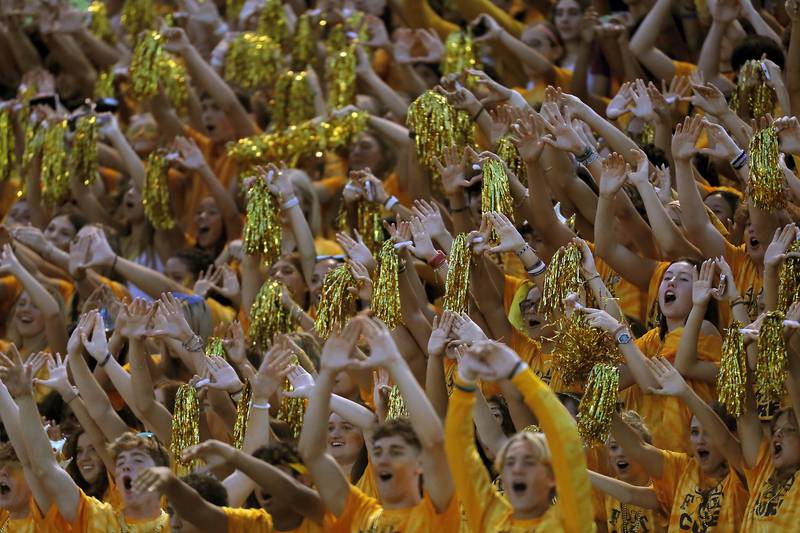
[[362, 513], [94, 515], [33, 523], [748, 280], [248, 520], [620, 517], [535, 95], [773, 507], [699, 503]]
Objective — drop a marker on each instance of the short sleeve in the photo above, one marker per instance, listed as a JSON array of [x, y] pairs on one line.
[[248, 520], [666, 486], [357, 510]]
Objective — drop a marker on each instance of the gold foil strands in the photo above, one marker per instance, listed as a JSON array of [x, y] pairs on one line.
[[215, 347], [55, 169], [495, 192], [263, 230], [598, 404], [460, 53], [155, 196], [508, 152], [268, 316], [771, 364], [292, 100], [732, 376], [456, 287], [8, 156], [252, 61], [579, 347], [185, 427], [340, 74], [766, 180], [397, 406], [789, 279], [100, 25], [435, 126], [104, 85], [242, 415], [138, 16], [386, 291], [369, 225], [337, 305], [272, 23], [144, 70], [303, 43], [563, 277], [753, 97], [232, 10], [172, 73], [84, 149]]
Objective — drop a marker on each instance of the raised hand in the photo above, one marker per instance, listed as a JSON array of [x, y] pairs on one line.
[[363, 290], [788, 133], [588, 266], [685, 138], [206, 280], [511, 240], [452, 171], [721, 145], [618, 105], [100, 252], [222, 376], [137, 318], [356, 249], [93, 336], [726, 289], [488, 361], [562, 135], [9, 264], [640, 175], [703, 287], [278, 182], [404, 40], [338, 349], [153, 479], [598, 318], [32, 237], [613, 175], [710, 99], [423, 246], [431, 218], [433, 45], [460, 97], [375, 191], [670, 382], [212, 452], [527, 135], [776, 251], [464, 329], [480, 240], [642, 104], [272, 371], [302, 382], [186, 154], [381, 392], [15, 374], [170, 320], [440, 334], [383, 350], [378, 36], [498, 93]]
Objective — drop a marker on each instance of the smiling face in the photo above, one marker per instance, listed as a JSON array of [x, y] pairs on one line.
[[344, 440], [707, 454], [527, 480], [675, 291], [397, 468], [785, 442], [28, 319], [287, 273], [365, 152], [567, 18], [88, 461], [128, 465], [60, 232], [210, 227]]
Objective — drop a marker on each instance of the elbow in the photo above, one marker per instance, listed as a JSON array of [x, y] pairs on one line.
[[435, 440]]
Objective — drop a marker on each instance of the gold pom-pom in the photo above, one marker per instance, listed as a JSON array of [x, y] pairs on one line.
[[292, 100], [100, 25], [495, 192], [138, 16], [397, 406], [460, 53], [753, 97], [173, 77], [252, 61], [8, 156], [185, 427], [104, 85], [145, 68], [291, 410], [55, 168], [268, 316], [84, 149], [508, 152], [436, 125], [563, 278], [303, 44], [215, 347], [263, 230], [337, 305], [456, 287], [386, 291], [340, 74], [272, 22], [766, 179], [789, 279], [242, 415], [369, 225], [598, 404], [732, 376], [155, 196], [771, 364], [579, 347], [232, 10]]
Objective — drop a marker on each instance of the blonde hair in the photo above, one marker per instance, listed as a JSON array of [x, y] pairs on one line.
[[537, 441], [145, 442], [635, 421]]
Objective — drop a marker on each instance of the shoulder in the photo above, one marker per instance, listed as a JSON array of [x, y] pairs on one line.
[[255, 520], [709, 329]]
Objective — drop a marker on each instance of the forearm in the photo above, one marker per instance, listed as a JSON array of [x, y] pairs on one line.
[[649, 457], [304, 239], [395, 103], [356, 414], [718, 432], [637, 365], [96, 49], [153, 413], [224, 201], [95, 399], [693, 212], [708, 62], [129, 157], [436, 386], [625, 493], [546, 223], [150, 281], [423, 418], [315, 422], [525, 54], [686, 356], [192, 507], [488, 428], [759, 24], [670, 239], [646, 35]]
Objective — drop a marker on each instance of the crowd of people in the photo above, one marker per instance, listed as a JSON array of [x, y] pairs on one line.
[[405, 266]]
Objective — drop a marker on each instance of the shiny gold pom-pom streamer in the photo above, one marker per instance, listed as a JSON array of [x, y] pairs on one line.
[[242, 415], [563, 277], [185, 427], [215, 347], [99, 24], [456, 287], [104, 85], [155, 196], [753, 97], [232, 10], [292, 100], [292, 410], [252, 61], [84, 149], [386, 291], [55, 168], [766, 180], [138, 16], [508, 152], [262, 229], [369, 225], [145, 68], [789, 279], [495, 192], [460, 53], [8, 156], [337, 305], [771, 364], [579, 347], [598, 404], [435, 126], [340, 75], [173, 77], [268, 316], [272, 23], [397, 406], [303, 44], [732, 376]]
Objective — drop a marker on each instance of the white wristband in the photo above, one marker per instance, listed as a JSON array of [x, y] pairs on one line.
[[264, 406], [391, 202], [291, 202]]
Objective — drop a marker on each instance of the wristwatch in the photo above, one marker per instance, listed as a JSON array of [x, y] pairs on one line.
[[624, 337]]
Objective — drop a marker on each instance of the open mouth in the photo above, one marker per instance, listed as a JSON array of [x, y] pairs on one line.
[[25, 319], [533, 322], [337, 443], [702, 454], [5, 490], [622, 465], [518, 487], [127, 483], [385, 476], [669, 297], [777, 448], [754, 242]]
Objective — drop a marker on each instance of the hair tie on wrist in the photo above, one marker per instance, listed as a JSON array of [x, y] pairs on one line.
[[103, 363], [514, 370], [391, 202], [291, 202]]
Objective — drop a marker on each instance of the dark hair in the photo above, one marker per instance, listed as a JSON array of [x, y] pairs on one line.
[[729, 197], [208, 487], [753, 47], [278, 454], [388, 158], [655, 155], [195, 259], [705, 166], [97, 489], [728, 419], [400, 427], [785, 410], [506, 423], [712, 311]]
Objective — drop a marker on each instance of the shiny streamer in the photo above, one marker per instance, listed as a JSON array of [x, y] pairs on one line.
[[292, 100], [456, 287], [598, 404], [789, 279], [104, 85], [340, 74], [138, 16], [263, 231], [155, 196], [580, 347], [753, 97], [771, 364], [242, 415], [732, 376], [303, 43], [495, 192], [232, 10], [563, 277], [272, 23], [268, 316], [460, 53], [84, 149], [766, 181], [8, 156], [215, 347], [173, 77], [145, 69], [508, 152], [100, 25], [386, 291], [55, 165], [185, 427], [397, 406], [369, 225], [252, 61], [337, 305]]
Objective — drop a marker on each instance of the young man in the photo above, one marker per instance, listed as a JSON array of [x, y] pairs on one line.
[[400, 451]]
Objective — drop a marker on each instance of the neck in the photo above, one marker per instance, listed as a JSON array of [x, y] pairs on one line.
[[410, 499], [533, 512], [675, 323], [146, 508], [641, 479], [718, 473], [34, 344], [20, 512]]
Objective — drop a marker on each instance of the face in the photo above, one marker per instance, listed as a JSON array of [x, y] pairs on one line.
[[675, 291], [568, 19], [528, 308], [397, 467], [19, 214], [14, 491], [344, 440], [60, 232], [143, 134], [721, 208], [709, 457], [129, 464], [623, 468], [365, 152], [285, 272], [754, 247], [538, 38], [278, 508], [785, 443], [527, 481], [176, 270], [28, 319], [210, 228], [89, 463], [321, 269], [132, 206], [217, 125]]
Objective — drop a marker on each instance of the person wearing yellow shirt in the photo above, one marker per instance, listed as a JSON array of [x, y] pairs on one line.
[[534, 467], [705, 490], [18, 508], [400, 450]]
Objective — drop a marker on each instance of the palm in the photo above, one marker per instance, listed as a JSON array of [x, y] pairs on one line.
[[437, 341], [701, 292], [670, 383]]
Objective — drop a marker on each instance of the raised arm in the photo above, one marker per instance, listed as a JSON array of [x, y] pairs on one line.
[[643, 42], [723, 14], [792, 68], [686, 361], [645, 454], [627, 494]]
